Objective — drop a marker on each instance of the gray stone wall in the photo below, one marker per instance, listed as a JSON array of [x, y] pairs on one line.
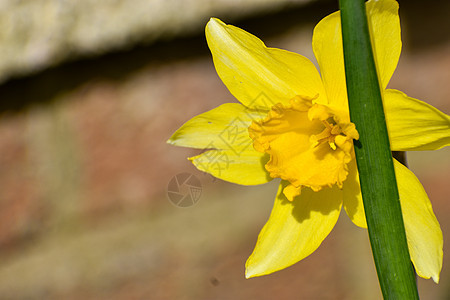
[[35, 34]]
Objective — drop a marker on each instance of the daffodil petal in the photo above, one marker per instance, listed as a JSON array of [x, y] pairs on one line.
[[256, 75], [353, 203], [327, 45], [424, 235], [294, 229], [224, 127], [413, 124], [223, 132], [246, 167], [384, 27]]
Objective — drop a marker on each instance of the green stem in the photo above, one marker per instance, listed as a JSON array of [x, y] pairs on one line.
[[374, 158]]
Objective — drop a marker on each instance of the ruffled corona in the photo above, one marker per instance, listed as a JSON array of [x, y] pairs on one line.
[[307, 143]]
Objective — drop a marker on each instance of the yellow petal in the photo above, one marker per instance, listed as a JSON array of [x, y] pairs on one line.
[[384, 27], [245, 168], [224, 127], [294, 229], [423, 232], [223, 131], [353, 203], [424, 235], [413, 124], [256, 75], [327, 45]]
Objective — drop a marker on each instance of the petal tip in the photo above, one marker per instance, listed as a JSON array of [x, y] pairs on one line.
[[250, 272], [214, 20], [435, 278], [252, 269], [175, 139], [213, 29], [171, 141], [214, 23]]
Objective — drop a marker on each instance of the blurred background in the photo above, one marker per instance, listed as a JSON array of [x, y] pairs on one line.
[[89, 93]]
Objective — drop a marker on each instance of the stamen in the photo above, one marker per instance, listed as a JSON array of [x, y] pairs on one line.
[[329, 134], [331, 143]]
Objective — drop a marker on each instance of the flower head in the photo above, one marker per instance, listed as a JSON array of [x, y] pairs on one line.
[[294, 124]]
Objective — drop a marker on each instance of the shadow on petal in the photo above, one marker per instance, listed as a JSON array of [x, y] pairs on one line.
[[326, 201], [264, 159], [353, 203], [294, 229]]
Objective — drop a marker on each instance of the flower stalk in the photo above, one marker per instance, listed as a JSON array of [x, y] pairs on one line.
[[374, 158]]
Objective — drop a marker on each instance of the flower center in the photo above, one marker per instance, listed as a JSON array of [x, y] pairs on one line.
[[328, 135], [308, 145]]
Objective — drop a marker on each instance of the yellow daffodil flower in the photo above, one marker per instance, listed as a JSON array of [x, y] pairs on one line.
[[293, 123]]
